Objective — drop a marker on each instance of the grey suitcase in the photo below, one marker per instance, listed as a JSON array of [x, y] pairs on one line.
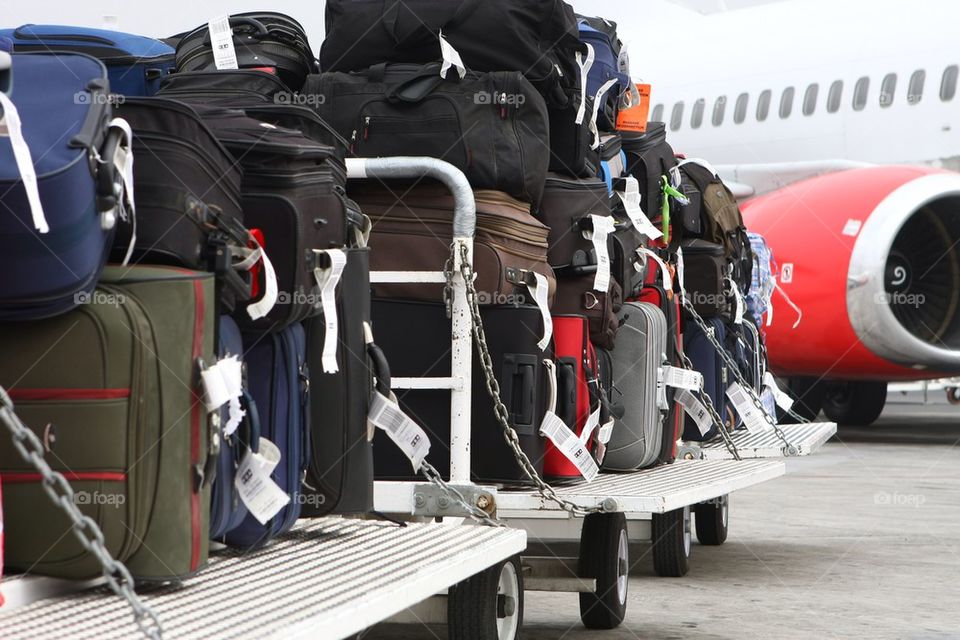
[[640, 351]]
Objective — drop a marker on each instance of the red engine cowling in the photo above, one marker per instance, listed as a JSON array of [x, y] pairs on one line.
[[872, 258]]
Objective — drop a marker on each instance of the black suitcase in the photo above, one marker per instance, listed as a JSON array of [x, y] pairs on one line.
[[415, 336], [705, 274], [566, 206], [262, 40], [492, 126], [626, 265], [649, 158], [571, 144]]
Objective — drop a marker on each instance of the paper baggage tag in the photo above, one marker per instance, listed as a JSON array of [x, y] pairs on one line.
[[585, 64], [596, 111], [605, 432], [451, 58], [221, 41], [408, 435], [327, 280], [783, 399], [556, 431], [540, 292], [696, 410], [634, 118], [24, 161], [682, 378], [262, 307], [602, 227], [753, 417], [630, 197], [664, 271], [261, 495], [738, 302], [223, 384], [593, 421], [680, 280]]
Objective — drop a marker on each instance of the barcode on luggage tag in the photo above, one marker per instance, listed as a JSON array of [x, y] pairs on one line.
[[682, 378], [696, 410], [602, 227], [408, 435], [221, 41], [752, 416], [556, 431]]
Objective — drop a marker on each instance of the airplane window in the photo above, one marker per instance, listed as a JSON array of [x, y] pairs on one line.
[[948, 86], [786, 102], [835, 96], [676, 117], [740, 111], [810, 99], [719, 108], [696, 117], [887, 88], [860, 93], [657, 115], [763, 105], [915, 90]]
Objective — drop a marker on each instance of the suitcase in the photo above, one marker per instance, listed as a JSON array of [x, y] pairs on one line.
[[649, 158], [340, 475], [492, 126], [135, 64], [127, 428], [638, 435], [572, 150], [512, 335], [705, 277], [605, 68], [414, 233], [55, 245], [565, 209], [627, 266], [280, 385], [577, 387], [707, 361], [536, 37], [576, 296], [225, 88], [262, 40]]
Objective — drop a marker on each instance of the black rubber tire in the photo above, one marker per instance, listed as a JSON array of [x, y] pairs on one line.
[[953, 395], [671, 537], [712, 520], [856, 404], [808, 396], [473, 605], [600, 558]]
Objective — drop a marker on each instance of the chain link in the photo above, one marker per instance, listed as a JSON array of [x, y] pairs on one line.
[[85, 529], [474, 512]]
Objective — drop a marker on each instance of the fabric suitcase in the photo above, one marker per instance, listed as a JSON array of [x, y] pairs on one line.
[[262, 40], [566, 208], [226, 88], [340, 475], [512, 335], [55, 246], [606, 81], [127, 428], [280, 386], [414, 233], [638, 434], [491, 126], [705, 277], [572, 150], [707, 361], [626, 263], [135, 64], [536, 37], [649, 158], [577, 296]]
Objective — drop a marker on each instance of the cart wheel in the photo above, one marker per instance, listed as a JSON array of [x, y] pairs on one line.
[[712, 519], [489, 605], [953, 395], [671, 542], [604, 555]]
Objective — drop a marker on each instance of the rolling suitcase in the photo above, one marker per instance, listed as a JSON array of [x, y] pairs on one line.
[[566, 208], [707, 361], [280, 385], [57, 226], [577, 296], [649, 158], [127, 428], [135, 64], [638, 434], [226, 88], [415, 336], [705, 281]]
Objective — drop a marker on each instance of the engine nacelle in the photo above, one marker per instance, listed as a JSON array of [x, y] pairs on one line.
[[872, 258]]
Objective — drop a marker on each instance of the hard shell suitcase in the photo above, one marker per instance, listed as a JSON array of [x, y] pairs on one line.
[[415, 337], [638, 434], [705, 277], [127, 427], [707, 361], [55, 239], [280, 385], [491, 126]]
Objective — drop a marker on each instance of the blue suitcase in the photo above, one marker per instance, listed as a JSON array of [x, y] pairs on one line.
[[705, 359], [135, 64], [53, 253], [606, 67], [279, 384]]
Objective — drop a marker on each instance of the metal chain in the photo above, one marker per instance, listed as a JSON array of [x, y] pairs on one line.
[[474, 512], [85, 529], [708, 405], [493, 387], [791, 449]]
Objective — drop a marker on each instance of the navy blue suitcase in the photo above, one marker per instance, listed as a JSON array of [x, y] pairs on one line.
[[53, 254], [135, 64], [707, 361], [605, 67], [279, 383]]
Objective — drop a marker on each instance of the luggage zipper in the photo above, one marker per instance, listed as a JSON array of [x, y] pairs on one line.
[[521, 233]]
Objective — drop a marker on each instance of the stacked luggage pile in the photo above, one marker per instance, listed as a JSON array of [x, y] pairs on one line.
[[213, 381]]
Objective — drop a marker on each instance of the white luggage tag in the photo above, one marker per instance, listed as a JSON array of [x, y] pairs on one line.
[[262, 307], [682, 378], [585, 64], [221, 41], [630, 196], [738, 302], [539, 288], [753, 417], [406, 434], [261, 495], [223, 384], [451, 58], [559, 434], [327, 280], [783, 400], [664, 272], [596, 111], [680, 281], [24, 160], [696, 410], [603, 226]]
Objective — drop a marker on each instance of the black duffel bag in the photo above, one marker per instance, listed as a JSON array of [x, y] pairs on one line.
[[491, 126]]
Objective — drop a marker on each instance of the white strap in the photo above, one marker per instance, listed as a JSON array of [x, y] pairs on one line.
[[123, 161], [327, 280], [263, 306], [596, 111], [631, 198], [451, 58], [585, 66], [540, 290], [665, 273], [221, 41], [789, 302], [24, 160], [603, 226]]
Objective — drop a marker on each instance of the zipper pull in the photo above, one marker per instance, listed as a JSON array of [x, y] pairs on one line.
[[353, 141], [503, 105], [366, 127]]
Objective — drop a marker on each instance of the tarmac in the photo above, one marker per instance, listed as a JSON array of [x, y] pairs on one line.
[[861, 540]]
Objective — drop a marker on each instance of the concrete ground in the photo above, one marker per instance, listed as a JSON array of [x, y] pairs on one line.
[[859, 541]]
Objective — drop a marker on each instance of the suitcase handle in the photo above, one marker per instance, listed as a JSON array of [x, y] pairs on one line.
[[567, 391], [519, 387], [240, 21]]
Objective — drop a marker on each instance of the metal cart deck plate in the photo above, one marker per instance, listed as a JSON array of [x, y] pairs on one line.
[[807, 438]]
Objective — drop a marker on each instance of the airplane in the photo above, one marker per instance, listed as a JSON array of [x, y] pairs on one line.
[[838, 124]]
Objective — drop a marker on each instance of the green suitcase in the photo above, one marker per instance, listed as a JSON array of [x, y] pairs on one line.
[[113, 391]]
